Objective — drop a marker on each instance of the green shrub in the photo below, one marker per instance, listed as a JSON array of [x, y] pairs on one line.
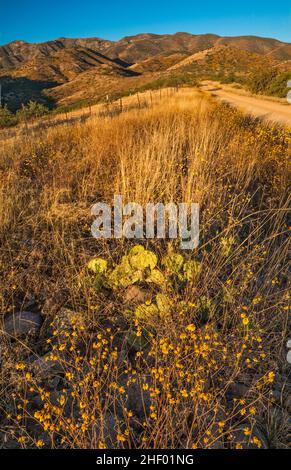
[[7, 119], [171, 81], [269, 82], [31, 111], [278, 86]]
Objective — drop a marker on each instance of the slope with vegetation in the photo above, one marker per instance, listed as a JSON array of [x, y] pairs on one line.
[[269, 82], [137, 344], [66, 71]]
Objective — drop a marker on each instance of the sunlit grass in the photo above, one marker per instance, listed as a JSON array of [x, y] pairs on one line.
[[124, 381]]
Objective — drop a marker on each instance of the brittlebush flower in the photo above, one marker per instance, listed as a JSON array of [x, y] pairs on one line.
[[270, 377], [247, 431], [191, 327], [39, 443], [245, 321]]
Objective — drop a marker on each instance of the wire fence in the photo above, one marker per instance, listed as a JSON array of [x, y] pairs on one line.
[[109, 109]]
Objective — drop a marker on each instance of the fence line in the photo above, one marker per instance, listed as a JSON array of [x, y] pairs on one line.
[[108, 109]]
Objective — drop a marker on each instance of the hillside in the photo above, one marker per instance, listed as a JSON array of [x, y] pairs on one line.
[[65, 64], [95, 84], [225, 59], [159, 62], [68, 66], [133, 49], [139, 344], [30, 78], [19, 52]]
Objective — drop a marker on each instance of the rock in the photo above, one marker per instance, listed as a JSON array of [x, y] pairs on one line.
[[237, 390], [20, 324], [210, 423], [136, 343], [62, 323], [239, 437], [65, 319], [218, 444], [105, 430], [136, 399], [281, 392], [287, 403], [11, 444], [55, 298], [109, 429], [134, 294], [45, 368]]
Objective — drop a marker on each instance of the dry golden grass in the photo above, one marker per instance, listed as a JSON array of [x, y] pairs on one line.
[[184, 387]]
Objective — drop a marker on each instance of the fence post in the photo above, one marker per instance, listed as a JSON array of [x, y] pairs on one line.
[[25, 118], [107, 103]]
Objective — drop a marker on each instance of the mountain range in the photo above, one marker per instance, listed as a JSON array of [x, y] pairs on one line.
[[65, 71]]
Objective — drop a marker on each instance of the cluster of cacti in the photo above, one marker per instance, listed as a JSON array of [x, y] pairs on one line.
[[141, 266]]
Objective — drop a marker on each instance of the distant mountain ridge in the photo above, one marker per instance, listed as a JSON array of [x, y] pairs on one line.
[[139, 47]]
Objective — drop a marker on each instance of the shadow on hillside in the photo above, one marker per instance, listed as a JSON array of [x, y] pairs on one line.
[[116, 61], [20, 90]]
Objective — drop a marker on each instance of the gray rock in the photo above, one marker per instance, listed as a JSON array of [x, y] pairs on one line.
[[237, 390], [239, 437], [287, 403], [44, 367], [64, 320], [109, 429], [21, 324], [134, 294], [136, 399]]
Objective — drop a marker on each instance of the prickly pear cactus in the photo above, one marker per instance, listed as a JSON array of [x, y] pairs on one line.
[[141, 266]]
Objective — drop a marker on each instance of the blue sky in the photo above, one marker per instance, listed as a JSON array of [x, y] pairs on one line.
[[40, 20]]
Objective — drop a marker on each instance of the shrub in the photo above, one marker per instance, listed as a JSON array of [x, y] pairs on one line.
[[278, 86], [269, 82], [259, 82], [7, 119], [32, 110]]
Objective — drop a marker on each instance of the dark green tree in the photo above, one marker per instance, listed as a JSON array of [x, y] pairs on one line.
[[7, 119], [32, 110]]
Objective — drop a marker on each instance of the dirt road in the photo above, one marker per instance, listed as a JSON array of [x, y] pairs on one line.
[[268, 109]]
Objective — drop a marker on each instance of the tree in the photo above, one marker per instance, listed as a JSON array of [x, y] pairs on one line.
[[259, 82], [278, 86], [7, 119]]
